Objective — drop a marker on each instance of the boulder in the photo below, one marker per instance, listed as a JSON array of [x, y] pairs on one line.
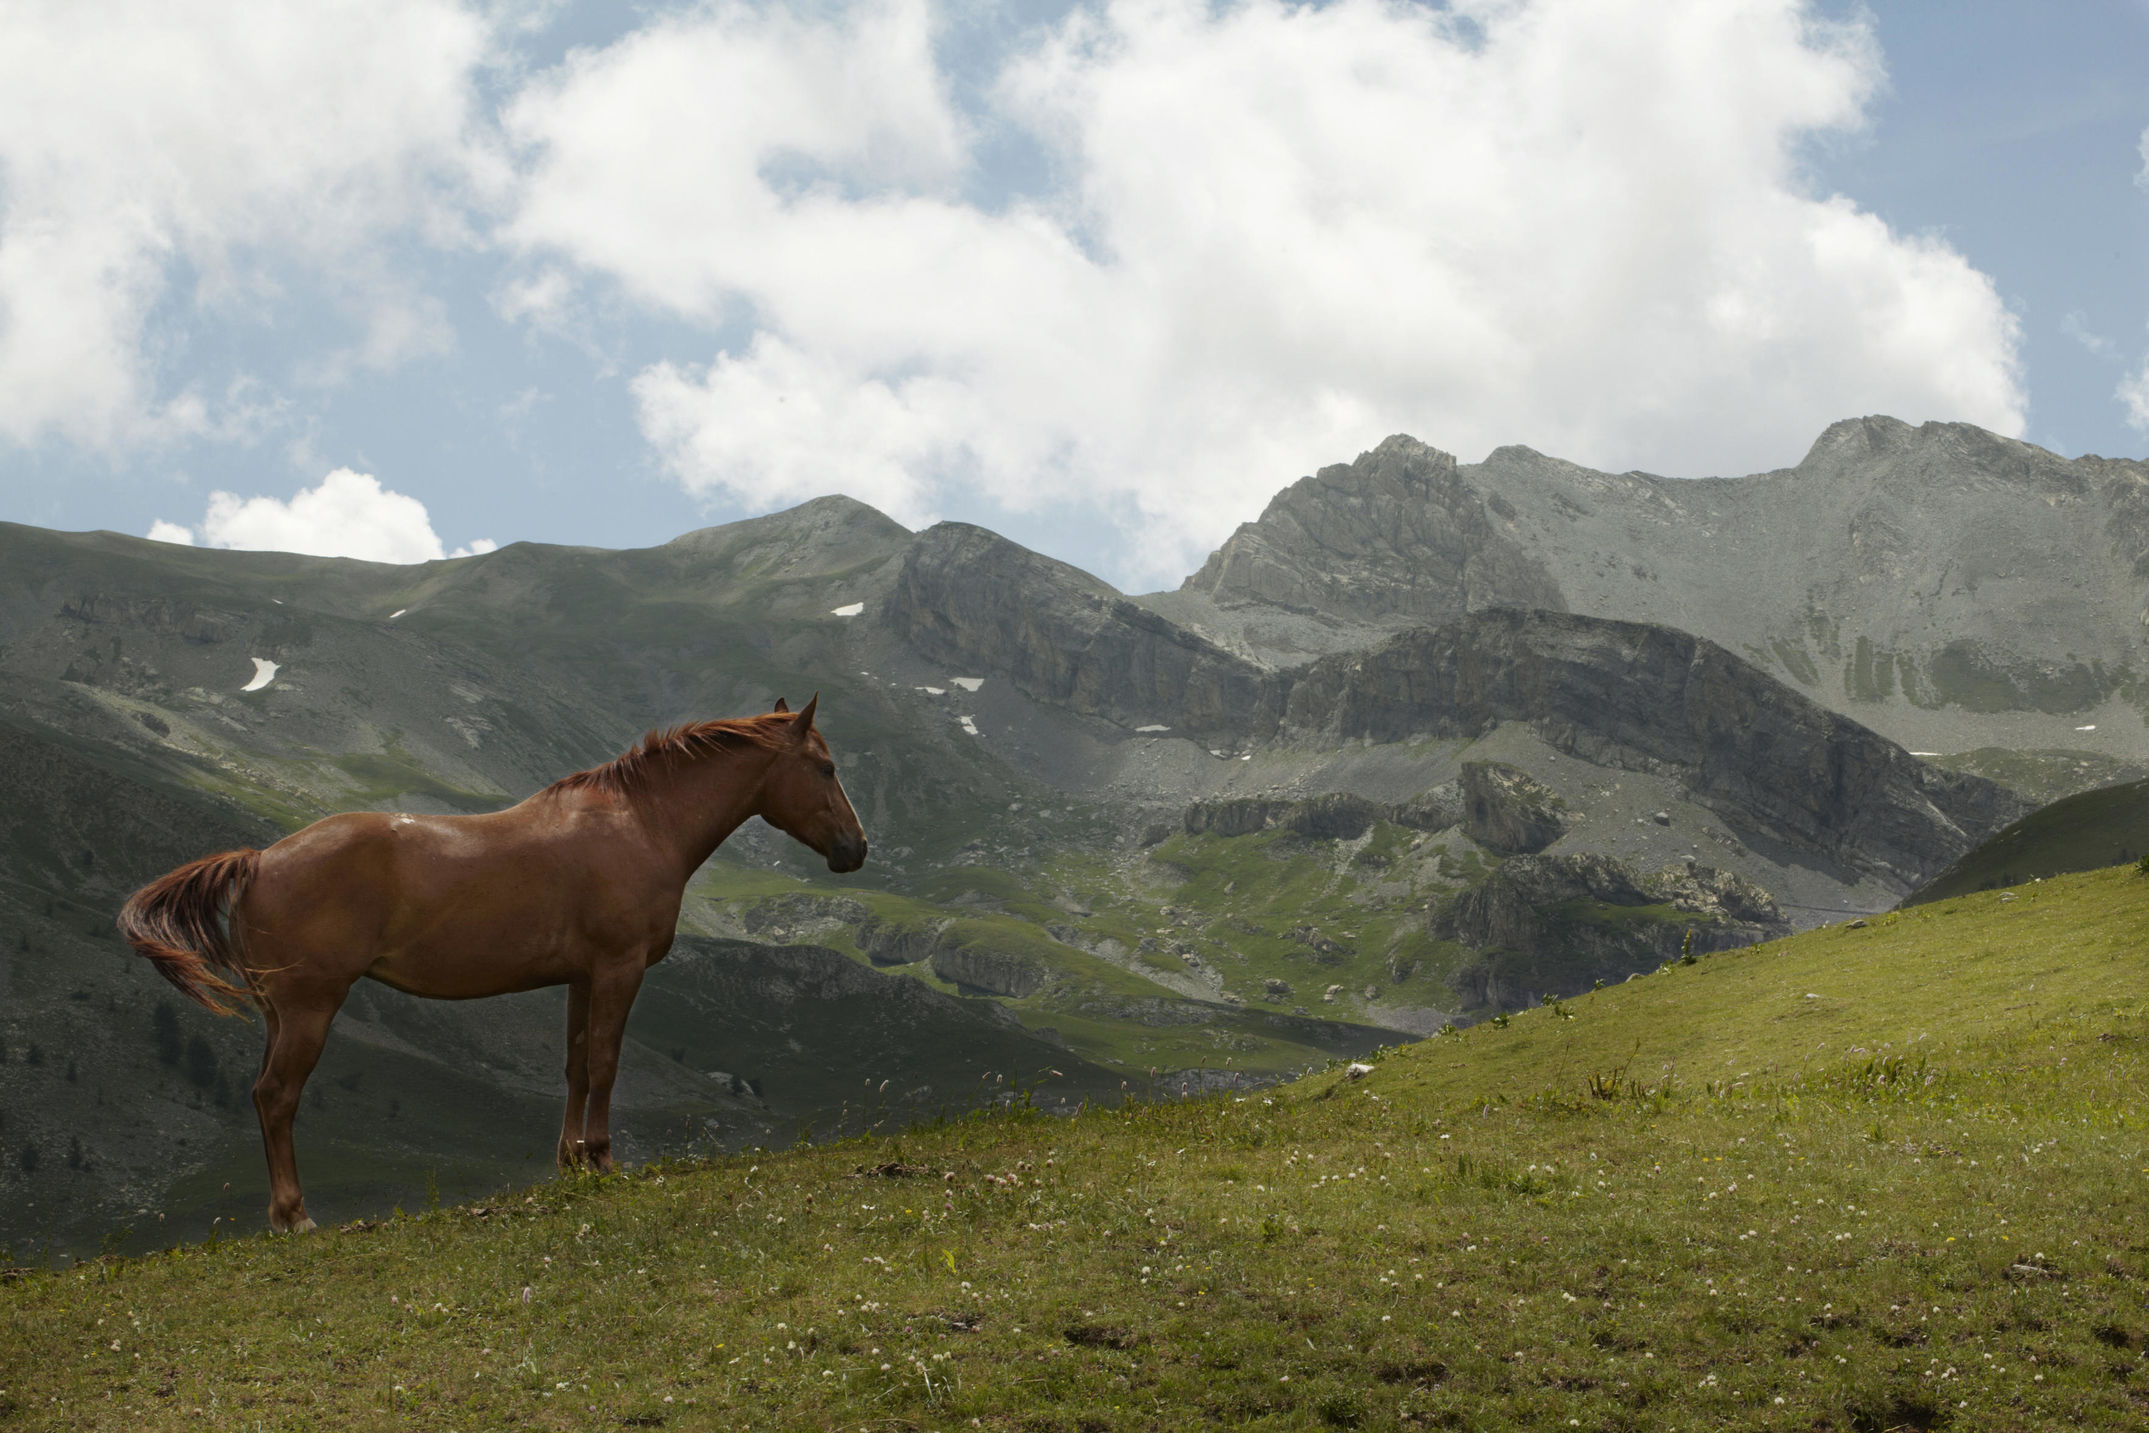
[[1555, 924], [893, 943], [977, 969], [1506, 810]]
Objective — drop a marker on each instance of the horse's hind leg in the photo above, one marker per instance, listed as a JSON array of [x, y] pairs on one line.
[[570, 1151], [296, 1034]]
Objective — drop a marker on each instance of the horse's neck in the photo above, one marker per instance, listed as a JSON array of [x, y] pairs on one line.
[[699, 801]]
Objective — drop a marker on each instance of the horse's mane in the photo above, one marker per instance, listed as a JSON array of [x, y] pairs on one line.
[[623, 774]]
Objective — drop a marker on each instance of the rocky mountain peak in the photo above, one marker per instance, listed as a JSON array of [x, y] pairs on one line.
[[828, 533], [1936, 581], [1393, 536]]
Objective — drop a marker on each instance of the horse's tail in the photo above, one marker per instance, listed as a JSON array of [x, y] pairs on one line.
[[177, 921]]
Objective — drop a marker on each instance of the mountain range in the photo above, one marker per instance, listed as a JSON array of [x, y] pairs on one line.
[[1425, 741]]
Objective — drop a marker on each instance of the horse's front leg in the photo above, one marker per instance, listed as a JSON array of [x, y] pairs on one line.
[[612, 993], [570, 1151]]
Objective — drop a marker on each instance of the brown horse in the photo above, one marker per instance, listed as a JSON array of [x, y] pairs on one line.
[[577, 886]]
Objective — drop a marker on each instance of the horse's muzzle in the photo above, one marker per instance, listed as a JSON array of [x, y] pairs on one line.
[[846, 853]]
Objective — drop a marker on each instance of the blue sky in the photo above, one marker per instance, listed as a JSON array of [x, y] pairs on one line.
[[408, 278]]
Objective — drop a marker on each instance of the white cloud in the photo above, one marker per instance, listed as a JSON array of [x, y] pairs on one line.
[[2133, 395], [778, 426], [1278, 234], [2076, 326], [187, 155], [349, 515]]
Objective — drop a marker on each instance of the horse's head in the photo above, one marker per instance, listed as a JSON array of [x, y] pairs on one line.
[[802, 798]]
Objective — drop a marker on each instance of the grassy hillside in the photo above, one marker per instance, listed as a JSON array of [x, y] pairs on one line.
[[2076, 833], [127, 746], [1879, 1177]]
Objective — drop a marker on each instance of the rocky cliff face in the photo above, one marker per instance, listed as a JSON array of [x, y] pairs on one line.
[[1620, 694], [1927, 580], [1555, 924], [973, 599], [1775, 765]]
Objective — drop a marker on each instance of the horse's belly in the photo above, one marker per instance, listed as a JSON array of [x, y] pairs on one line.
[[468, 975]]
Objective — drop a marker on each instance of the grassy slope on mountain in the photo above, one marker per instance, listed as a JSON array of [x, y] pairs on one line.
[[2077, 833], [1106, 1010], [1863, 1178]]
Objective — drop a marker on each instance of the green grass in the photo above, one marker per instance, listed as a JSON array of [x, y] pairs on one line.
[[2077, 833], [1116, 1016], [1886, 1177], [394, 774]]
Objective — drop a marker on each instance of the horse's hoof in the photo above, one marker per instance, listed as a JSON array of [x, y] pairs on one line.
[[304, 1226]]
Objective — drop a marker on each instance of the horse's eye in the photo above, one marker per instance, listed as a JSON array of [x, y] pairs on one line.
[[828, 768]]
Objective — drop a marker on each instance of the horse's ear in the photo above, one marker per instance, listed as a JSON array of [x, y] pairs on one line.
[[780, 705], [803, 722]]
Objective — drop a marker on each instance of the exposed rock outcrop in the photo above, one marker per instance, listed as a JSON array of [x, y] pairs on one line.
[[1621, 694], [1338, 816], [1508, 811], [960, 954], [1397, 534], [895, 943], [1555, 924], [976, 968], [973, 599], [1243, 816], [787, 917]]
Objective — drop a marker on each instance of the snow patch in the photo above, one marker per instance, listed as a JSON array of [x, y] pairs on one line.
[[264, 673], [851, 610], [1152, 727], [2091, 727], [969, 724], [1925, 753], [397, 613], [934, 691], [968, 684]]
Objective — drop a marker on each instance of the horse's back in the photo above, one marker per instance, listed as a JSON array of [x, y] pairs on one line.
[[446, 906]]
